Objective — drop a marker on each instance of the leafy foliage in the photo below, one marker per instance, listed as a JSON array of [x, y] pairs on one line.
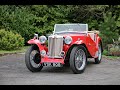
[[28, 19], [114, 51], [108, 29], [10, 41], [17, 19]]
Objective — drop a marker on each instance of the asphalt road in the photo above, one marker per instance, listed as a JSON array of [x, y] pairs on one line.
[[13, 71]]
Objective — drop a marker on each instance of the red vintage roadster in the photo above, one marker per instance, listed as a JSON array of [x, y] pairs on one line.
[[70, 44]]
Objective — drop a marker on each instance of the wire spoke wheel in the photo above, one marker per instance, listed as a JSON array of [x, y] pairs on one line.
[[80, 59], [35, 59], [98, 59], [99, 53]]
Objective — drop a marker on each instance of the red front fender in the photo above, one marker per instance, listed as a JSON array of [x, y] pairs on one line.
[[79, 42], [37, 42]]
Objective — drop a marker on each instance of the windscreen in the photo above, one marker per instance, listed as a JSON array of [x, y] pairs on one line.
[[61, 28]]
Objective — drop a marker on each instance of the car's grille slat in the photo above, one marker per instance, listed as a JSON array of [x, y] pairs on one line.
[[55, 46]]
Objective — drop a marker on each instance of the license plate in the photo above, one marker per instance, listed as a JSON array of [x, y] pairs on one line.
[[52, 64]]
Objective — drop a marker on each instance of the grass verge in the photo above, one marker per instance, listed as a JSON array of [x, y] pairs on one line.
[[112, 57], [22, 50]]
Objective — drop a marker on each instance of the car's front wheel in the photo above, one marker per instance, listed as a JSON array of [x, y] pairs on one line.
[[78, 59], [32, 59]]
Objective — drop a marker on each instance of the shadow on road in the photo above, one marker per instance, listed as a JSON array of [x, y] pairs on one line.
[[64, 69]]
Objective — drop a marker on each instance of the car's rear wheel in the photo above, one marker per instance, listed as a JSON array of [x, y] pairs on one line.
[[33, 58], [78, 59], [98, 59]]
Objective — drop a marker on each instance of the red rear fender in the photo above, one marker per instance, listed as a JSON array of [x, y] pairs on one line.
[[98, 40]]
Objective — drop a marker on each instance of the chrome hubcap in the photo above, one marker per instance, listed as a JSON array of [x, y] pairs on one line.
[[80, 59], [35, 59]]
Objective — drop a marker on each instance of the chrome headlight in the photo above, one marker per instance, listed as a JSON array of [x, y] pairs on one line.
[[68, 40], [42, 39]]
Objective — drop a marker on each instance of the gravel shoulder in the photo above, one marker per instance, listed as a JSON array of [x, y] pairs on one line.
[[13, 71]]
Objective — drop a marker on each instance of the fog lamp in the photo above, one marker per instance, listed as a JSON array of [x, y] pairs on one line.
[[43, 53]]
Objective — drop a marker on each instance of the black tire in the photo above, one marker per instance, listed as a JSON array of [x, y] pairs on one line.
[[98, 60], [36, 59], [73, 59]]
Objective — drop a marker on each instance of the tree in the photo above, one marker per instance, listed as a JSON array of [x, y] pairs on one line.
[[28, 19], [108, 29]]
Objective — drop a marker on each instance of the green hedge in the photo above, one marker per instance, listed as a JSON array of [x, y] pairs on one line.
[[10, 40]]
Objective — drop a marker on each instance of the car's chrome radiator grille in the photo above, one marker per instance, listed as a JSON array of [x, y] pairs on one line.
[[55, 46]]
